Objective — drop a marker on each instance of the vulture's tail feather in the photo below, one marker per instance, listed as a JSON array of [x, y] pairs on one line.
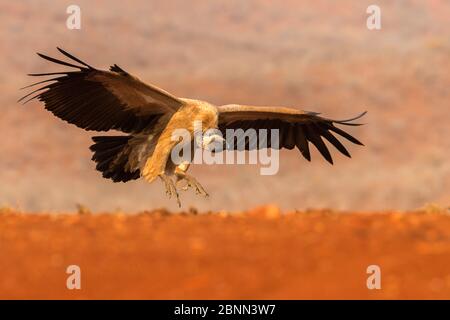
[[111, 157]]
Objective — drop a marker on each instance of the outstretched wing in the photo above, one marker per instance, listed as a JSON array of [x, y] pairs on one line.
[[296, 128], [101, 100]]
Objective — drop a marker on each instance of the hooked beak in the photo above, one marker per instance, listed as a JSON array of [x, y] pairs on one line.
[[215, 143]]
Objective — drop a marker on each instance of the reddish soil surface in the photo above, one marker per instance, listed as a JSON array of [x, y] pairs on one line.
[[260, 254]]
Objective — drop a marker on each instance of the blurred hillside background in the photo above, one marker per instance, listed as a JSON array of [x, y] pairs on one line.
[[312, 55]]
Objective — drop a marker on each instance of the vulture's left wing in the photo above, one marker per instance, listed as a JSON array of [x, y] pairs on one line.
[[102, 100], [296, 128]]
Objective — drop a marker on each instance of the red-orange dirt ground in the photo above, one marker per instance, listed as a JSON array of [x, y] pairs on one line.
[[259, 254]]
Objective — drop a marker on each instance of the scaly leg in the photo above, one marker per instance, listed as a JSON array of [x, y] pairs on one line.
[[180, 173], [171, 189]]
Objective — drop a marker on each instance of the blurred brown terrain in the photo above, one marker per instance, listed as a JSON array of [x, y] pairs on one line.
[[312, 55], [258, 254]]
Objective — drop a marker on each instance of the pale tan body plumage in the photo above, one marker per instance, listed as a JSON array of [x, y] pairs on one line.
[[159, 164], [195, 110]]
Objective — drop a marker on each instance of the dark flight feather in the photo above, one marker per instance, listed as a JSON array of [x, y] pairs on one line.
[[101, 100], [296, 128]]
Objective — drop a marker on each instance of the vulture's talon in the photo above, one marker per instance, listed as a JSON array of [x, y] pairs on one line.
[[191, 182]]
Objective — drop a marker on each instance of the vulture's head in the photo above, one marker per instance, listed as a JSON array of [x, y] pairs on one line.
[[212, 140]]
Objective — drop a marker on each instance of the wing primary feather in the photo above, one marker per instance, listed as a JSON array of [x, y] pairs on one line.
[[59, 61], [351, 124], [43, 81], [289, 139], [302, 143], [281, 136], [334, 141], [317, 141], [51, 73], [34, 97], [34, 91], [74, 58], [344, 134], [349, 120]]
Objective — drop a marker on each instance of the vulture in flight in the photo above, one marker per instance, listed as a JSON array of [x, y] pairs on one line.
[[101, 100]]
